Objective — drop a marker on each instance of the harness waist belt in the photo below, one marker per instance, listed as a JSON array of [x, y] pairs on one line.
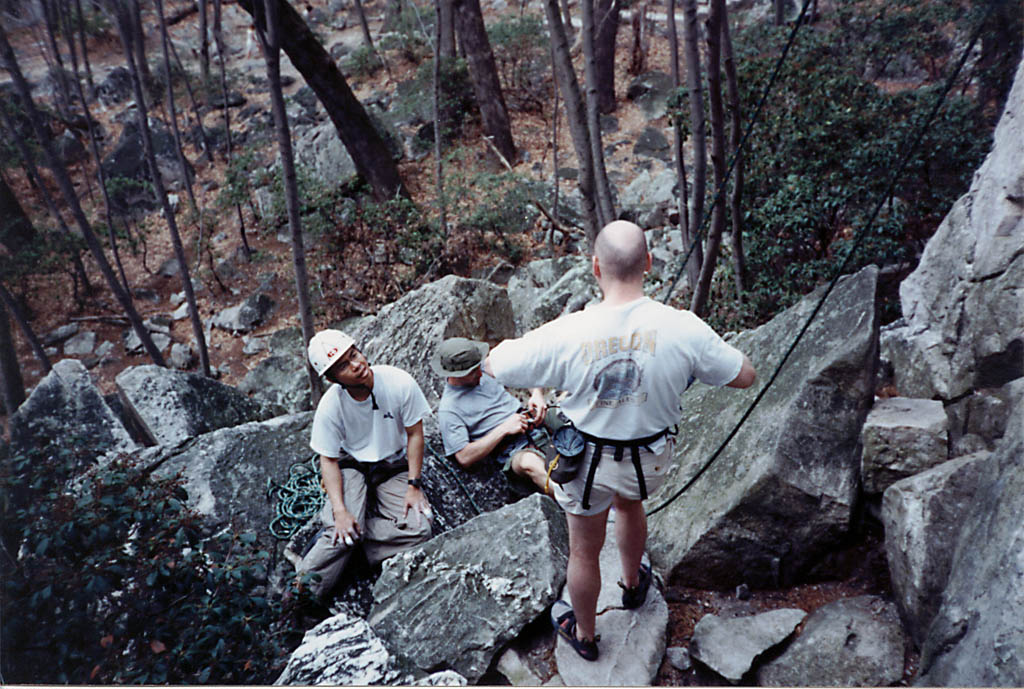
[[634, 446], [375, 473]]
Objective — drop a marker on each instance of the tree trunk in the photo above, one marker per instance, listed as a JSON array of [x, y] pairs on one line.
[[19, 317], [124, 29], [370, 154], [606, 19], [139, 43], [779, 7], [269, 34], [575, 115], [10, 63], [605, 207], [85, 48], [739, 262], [716, 15], [570, 31], [696, 94], [16, 230], [685, 231], [12, 386], [204, 44], [446, 18], [469, 23], [51, 22], [442, 218]]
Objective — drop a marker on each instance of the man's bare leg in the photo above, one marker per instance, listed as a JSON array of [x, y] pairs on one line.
[[531, 465], [631, 537], [586, 536]]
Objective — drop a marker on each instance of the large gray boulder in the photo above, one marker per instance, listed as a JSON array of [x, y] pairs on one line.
[[340, 651], [173, 406], [458, 599], [977, 638], [902, 437], [405, 333], [853, 642], [319, 148], [922, 517], [280, 380], [729, 646], [226, 472], [962, 305], [244, 316], [545, 289], [782, 492], [128, 162], [66, 410], [650, 198]]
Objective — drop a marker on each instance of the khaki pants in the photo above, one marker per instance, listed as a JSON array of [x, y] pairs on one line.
[[384, 534]]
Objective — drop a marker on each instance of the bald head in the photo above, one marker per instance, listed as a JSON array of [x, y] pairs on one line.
[[621, 251]]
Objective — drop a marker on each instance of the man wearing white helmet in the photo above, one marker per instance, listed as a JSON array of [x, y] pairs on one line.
[[368, 430]]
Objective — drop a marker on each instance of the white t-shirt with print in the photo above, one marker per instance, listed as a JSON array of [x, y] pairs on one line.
[[624, 366], [368, 434]]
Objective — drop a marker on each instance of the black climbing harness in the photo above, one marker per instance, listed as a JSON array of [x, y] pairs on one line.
[[634, 446]]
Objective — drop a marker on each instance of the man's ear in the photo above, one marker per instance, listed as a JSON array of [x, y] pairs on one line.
[[596, 266], [649, 263]]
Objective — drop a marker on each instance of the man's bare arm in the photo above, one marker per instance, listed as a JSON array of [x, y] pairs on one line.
[[745, 378]]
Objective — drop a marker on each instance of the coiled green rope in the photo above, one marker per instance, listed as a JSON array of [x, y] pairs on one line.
[[297, 499]]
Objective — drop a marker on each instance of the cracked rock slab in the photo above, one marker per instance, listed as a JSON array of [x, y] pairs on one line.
[[729, 645]]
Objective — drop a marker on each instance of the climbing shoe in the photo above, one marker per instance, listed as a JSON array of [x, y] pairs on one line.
[[634, 596], [564, 620]]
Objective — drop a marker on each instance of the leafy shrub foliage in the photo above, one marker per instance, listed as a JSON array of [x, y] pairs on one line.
[[822, 153], [521, 52], [115, 582]]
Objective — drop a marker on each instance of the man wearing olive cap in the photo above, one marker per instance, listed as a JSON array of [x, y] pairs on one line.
[[368, 431], [480, 419]]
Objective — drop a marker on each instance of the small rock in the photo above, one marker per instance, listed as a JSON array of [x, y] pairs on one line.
[[678, 657], [80, 344]]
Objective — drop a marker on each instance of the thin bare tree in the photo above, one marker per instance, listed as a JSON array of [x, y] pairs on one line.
[[269, 34], [695, 90], [18, 315], [82, 39], [693, 262], [442, 218], [204, 42], [575, 115], [716, 14], [739, 263], [606, 29], [10, 63], [602, 189], [122, 17], [12, 385]]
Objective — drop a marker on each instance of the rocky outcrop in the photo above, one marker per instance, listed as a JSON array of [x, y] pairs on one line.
[[127, 162], [977, 636], [922, 516], [545, 289], [243, 317], [783, 490], [280, 380], [963, 323], [173, 406], [226, 472], [340, 651], [66, 410], [853, 642], [902, 437], [458, 599], [405, 333], [729, 646]]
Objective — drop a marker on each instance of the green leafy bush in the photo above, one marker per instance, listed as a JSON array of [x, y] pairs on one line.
[[522, 55], [116, 582]]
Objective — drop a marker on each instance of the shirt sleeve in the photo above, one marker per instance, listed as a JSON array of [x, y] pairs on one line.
[[718, 362], [414, 404], [454, 434], [328, 431], [533, 360]]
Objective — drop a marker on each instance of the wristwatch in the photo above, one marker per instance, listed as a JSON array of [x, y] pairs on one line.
[[416, 482]]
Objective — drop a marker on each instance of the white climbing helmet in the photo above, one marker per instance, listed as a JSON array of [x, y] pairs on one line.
[[326, 348]]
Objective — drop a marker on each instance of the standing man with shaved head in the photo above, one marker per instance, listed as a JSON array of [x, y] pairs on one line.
[[624, 363]]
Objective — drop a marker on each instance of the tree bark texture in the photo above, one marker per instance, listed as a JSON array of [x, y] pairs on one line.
[[469, 24], [739, 262], [12, 385], [270, 35], [602, 189], [606, 20], [714, 39], [699, 140], [204, 44], [60, 173], [693, 262], [446, 40], [575, 115], [124, 29], [370, 154]]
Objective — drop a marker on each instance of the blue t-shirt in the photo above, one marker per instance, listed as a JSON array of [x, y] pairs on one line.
[[469, 412]]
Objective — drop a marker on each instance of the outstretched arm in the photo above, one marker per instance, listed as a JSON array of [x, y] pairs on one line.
[[745, 378]]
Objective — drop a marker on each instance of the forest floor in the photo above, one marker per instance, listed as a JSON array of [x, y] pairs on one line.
[[50, 304]]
